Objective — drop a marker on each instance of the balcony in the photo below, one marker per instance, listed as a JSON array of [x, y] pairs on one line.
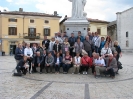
[[31, 35]]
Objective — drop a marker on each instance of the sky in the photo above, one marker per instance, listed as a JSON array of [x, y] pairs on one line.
[[95, 9]]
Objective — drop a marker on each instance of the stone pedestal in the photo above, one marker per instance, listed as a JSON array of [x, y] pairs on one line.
[[75, 25]]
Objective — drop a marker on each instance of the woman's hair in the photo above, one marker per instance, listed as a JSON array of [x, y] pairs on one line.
[[109, 39], [116, 42]]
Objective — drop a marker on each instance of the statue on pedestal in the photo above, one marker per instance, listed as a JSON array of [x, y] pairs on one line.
[[78, 9]]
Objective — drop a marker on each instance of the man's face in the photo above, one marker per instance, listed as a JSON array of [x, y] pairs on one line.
[[110, 57], [45, 37], [87, 37], [38, 54], [49, 54], [79, 34], [44, 52], [57, 41], [53, 39], [72, 35]]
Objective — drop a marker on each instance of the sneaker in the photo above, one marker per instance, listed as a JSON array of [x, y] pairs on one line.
[[97, 76], [86, 73]]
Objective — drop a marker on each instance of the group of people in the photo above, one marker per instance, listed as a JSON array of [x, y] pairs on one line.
[[81, 53]]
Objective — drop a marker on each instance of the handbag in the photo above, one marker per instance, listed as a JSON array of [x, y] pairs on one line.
[[119, 65]]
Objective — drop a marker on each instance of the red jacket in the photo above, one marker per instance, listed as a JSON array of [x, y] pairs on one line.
[[86, 61]]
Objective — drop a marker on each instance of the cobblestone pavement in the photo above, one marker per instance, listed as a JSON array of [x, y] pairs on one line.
[[65, 86]]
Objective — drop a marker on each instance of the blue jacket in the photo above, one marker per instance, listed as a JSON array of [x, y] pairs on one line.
[[81, 38], [18, 53], [60, 59]]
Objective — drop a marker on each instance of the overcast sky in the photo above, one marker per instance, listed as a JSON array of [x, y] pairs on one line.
[[96, 9]]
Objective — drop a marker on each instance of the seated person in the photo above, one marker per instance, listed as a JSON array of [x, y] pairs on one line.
[[93, 62], [57, 62], [38, 61], [22, 67], [76, 63], [86, 62], [106, 50], [49, 61], [111, 64], [67, 62], [99, 64]]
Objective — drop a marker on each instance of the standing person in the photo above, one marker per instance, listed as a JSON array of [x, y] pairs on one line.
[[57, 47], [78, 46], [65, 47], [44, 57], [90, 35], [67, 60], [29, 53], [19, 53], [34, 49], [38, 61], [80, 36], [96, 42], [118, 49], [62, 39], [76, 63], [87, 46], [110, 44], [39, 49], [65, 35], [51, 44], [24, 45], [101, 44], [45, 42], [57, 63], [49, 62], [86, 62], [71, 41]]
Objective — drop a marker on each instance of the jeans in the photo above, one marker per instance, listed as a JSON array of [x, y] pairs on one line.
[[66, 67], [57, 68], [111, 72], [47, 67], [96, 49], [89, 53]]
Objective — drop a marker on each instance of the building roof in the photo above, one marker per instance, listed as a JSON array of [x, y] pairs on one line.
[[125, 10], [112, 23], [29, 14], [89, 20]]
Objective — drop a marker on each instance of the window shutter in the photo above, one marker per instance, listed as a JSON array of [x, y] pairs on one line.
[[48, 32], [9, 30], [28, 31], [15, 30], [34, 31]]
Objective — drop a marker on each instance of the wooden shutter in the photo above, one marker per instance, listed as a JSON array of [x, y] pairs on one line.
[[99, 31], [34, 31], [9, 29], [28, 31], [15, 31]]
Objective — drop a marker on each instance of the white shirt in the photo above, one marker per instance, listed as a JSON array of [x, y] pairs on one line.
[[51, 45], [28, 51], [58, 61], [77, 60], [100, 62], [106, 51]]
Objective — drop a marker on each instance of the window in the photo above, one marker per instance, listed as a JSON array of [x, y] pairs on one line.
[[31, 20], [12, 20], [46, 32], [126, 34], [12, 30], [46, 21], [127, 43], [99, 31], [32, 31]]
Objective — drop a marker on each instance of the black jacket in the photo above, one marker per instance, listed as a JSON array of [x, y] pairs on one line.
[[46, 43], [55, 47]]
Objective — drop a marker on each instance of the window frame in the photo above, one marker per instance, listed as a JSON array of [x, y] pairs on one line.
[[12, 20], [48, 30], [46, 21], [11, 31], [33, 20]]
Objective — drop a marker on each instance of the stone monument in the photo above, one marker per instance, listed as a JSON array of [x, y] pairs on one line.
[[78, 21]]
